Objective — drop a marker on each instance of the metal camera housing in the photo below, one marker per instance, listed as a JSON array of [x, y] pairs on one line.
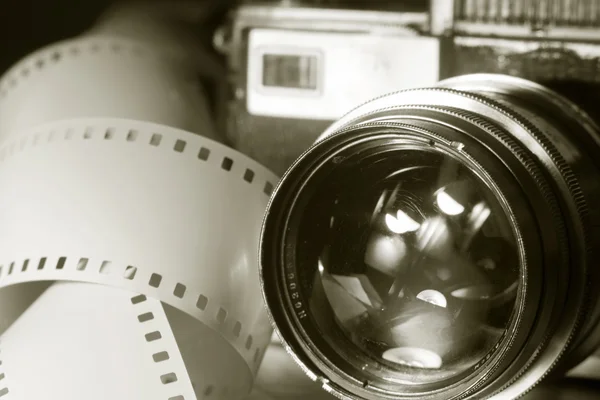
[[297, 66]]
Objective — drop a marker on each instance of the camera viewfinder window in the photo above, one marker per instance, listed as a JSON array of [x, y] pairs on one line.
[[290, 71]]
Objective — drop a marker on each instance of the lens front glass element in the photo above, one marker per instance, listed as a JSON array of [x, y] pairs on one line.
[[407, 263]]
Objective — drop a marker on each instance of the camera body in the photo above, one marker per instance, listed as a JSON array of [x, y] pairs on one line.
[[295, 67]]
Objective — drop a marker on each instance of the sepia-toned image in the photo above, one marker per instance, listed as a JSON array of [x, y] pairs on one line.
[[300, 199]]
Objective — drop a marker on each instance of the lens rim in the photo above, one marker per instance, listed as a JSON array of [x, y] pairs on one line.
[[279, 200], [560, 320]]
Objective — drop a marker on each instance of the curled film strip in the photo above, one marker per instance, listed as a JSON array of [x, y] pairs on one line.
[[103, 76], [40, 372], [151, 210], [128, 242]]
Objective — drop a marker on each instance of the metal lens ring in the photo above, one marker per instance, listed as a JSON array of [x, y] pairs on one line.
[[390, 388], [421, 220]]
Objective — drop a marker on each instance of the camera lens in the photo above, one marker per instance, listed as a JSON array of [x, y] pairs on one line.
[[400, 248], [440, 242]]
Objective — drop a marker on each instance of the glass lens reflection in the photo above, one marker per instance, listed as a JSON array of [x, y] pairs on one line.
[[413, 259]]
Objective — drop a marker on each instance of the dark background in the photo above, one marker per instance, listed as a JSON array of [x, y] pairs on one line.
[[26, 25]]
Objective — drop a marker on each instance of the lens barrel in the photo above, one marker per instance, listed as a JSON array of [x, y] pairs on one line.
[[440, 243]]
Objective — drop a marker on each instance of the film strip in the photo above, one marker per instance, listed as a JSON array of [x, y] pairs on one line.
[[68, 334], [162, 225], [104, 76], [3, 384]]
